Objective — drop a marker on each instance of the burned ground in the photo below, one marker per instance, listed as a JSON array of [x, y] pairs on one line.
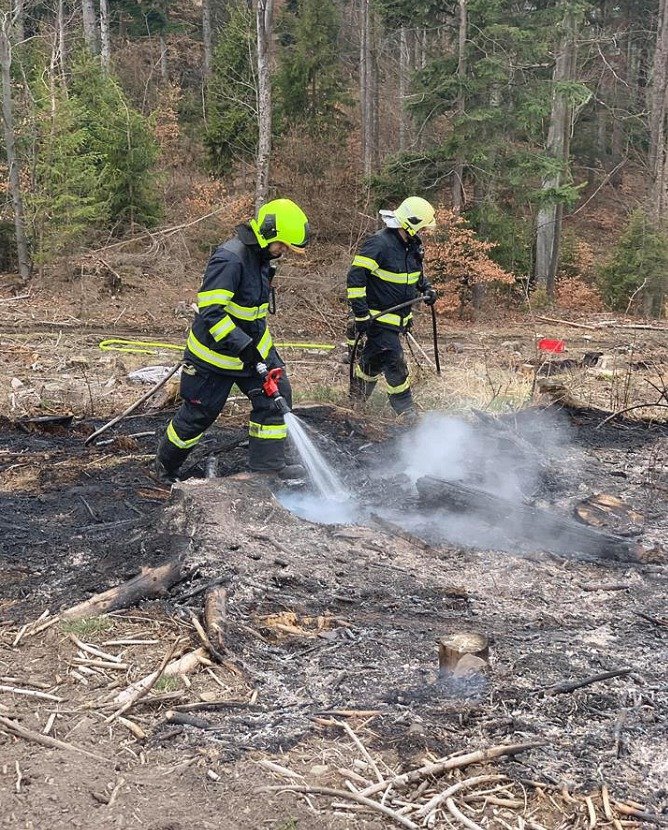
[[328, 622]]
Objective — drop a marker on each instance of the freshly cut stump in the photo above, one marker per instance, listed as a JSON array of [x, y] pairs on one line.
[[453, 648]]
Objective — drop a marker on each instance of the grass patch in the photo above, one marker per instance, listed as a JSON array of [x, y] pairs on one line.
[[167, 684], [321, 394], [88, 627]]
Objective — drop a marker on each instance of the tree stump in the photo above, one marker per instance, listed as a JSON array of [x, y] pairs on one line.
[[460, 646]]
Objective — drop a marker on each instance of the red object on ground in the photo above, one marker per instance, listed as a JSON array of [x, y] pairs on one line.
[[547, 345]]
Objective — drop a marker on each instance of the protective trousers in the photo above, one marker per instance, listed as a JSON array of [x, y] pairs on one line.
[[204, 395], [383, 353]]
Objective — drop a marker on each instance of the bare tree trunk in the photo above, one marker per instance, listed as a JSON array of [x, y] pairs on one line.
[[62, 43], [207, 37], [548, 222], [19, 18], [10, 149], [658, 128], [164, 66], [264, 25], [403, 78], [105, 43], [458, 173], [374, 91], [90, 26], [366, 88]]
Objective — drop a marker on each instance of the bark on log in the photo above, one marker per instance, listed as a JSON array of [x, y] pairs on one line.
[[151, 582], [451, 649], [215, 617], [540, 528]]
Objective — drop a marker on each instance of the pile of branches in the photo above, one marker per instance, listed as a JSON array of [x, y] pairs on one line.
[[438, 794]]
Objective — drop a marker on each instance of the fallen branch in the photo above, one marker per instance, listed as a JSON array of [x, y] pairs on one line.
[[135, 405], [183, 665], [654, 620], [144, 690], [439, 798], [363, 750], [358, 798], [14, 690], [572, 685], [447, 764], [567, 323], [627, 810], [215, 620], [53, 743], [454, 811], [657, 405], [149, 583]]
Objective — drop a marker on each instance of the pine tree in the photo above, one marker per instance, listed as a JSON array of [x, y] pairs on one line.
[[638, 268], [232, 130], [309, 81], [66, 202], [122, 142]]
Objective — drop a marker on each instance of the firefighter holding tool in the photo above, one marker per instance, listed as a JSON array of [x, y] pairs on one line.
[[230, 343], [387, 272]]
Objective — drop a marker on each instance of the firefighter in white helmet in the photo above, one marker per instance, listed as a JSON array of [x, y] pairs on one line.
[[385, 272]]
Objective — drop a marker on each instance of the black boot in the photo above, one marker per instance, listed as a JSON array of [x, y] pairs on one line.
[[168, 460]]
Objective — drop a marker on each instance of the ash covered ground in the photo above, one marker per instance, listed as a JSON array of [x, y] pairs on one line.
[[337, 616]]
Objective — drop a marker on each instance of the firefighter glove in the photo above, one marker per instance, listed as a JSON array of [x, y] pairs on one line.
[[362, 326], [250, 357], [430, 296]]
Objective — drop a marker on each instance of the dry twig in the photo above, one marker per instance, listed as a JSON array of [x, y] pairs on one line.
[[447, 764], [358, 798], [53, 743], [144, 690]]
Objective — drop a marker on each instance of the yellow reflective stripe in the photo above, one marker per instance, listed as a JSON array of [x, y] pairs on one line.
[[222, 328], [265, 344], [395, 390], [217, 296], [245, 312], [179, 442], [350, 342], [363, 376], [362, 319], [391, 319], [405, 278], [365, 262], [222, 361], [353, 293], [275, 431]]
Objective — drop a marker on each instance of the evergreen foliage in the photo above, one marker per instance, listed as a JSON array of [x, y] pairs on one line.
[[309, 82], [66, 201], [122, 142], [232, 131], [639, 266]]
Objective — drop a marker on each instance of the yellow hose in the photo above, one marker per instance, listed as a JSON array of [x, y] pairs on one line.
[[114, 344]]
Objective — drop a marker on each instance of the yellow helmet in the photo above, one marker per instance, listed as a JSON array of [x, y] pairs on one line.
[[281, 220], [414, 214]]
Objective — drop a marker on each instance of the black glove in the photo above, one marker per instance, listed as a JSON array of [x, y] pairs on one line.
[[250, 357], [362, 326], [429, 296]]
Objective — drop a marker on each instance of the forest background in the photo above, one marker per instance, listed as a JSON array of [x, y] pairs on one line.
[[540, 129]]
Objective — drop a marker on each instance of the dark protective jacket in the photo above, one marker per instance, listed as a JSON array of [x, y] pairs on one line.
[[386, 271], [233, 303]]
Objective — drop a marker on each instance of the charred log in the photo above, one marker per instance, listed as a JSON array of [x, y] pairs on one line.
[[540, 528]]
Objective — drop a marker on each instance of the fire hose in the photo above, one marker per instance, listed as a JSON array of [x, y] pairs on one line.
[[407, 304]]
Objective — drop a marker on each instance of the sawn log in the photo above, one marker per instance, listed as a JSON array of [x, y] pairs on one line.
[[149, 583], [540, 528]]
